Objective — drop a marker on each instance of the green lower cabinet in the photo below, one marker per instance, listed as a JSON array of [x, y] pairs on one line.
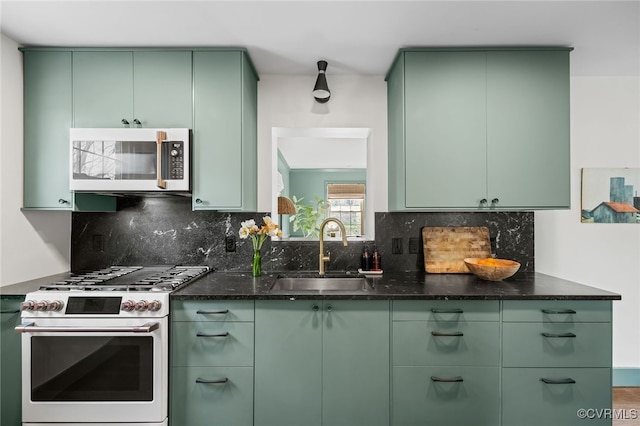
[[10, 360], [212, 396], [446, 396], [556, 396], [212, 343], [322, 363]]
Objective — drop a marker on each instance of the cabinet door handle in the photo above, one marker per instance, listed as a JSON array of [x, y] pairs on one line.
[[315, 308], [453, 334], [495, 201], [558, 311], [198, 201], [201, 334], [212, 382], [125, 122], [220, 312], [446, 379], [137, 122], [447, 311], [567, 381], [558, 335], [329, 308], [483, 202], [62, 201], [10, 312]]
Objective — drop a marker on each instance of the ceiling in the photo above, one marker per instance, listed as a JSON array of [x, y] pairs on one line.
[[355, 37]]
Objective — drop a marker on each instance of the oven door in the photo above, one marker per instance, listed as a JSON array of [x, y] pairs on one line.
[[94, 370]]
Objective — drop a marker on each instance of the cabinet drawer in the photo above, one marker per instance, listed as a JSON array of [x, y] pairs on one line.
[[204, 404], [557, 310], [212, 343], [527, 400], [419, 400], [446, 343], [446, 310], [556, 345], [212, 310]]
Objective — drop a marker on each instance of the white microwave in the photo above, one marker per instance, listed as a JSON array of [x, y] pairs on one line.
[[130, 160]]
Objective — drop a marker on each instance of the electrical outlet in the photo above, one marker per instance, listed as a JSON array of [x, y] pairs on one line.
[[414, 245], [396, 245], [229, 243]]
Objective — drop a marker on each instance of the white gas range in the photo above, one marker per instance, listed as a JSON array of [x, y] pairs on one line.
[[95, 347]]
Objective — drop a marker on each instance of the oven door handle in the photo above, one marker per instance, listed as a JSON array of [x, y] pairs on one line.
[[32, 328]]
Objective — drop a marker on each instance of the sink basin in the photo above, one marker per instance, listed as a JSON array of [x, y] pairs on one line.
[[318, 283]]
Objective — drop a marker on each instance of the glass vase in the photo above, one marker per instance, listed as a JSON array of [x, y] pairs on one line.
[[256, 269]]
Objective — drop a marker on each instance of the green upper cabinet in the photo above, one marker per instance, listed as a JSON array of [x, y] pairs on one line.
[[322, 362], [48, 116], [153, 87], [479, 129], [224, 131]]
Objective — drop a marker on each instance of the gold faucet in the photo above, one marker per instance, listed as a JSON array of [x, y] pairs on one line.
[[326, 258]]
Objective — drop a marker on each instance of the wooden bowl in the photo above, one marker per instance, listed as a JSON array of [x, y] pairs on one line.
[[492, 269]]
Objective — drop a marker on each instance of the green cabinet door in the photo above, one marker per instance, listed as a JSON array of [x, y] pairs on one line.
[[10, 361], [528, 129], [355, 363], [445, 119], [102, 88], [162, 87], [47, 119], [153, 87], [212, 396], [288, 363], [224, 131], [322, 363]]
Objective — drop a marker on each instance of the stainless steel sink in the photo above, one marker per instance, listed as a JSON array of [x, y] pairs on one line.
[[351, 284]]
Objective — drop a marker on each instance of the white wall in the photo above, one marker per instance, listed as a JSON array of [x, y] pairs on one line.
[[356, 101], [605, 114], [32, 244]]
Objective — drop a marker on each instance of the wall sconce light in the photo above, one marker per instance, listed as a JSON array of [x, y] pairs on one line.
[[286, 206], [321, 91]]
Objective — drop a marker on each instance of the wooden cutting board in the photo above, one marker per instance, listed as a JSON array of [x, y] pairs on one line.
[[445, 247]]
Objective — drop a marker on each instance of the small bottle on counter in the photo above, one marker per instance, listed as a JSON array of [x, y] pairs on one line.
[[376, 260], [365, 264]]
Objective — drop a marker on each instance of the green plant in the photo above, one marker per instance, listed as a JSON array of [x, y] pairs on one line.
[[308, 217]]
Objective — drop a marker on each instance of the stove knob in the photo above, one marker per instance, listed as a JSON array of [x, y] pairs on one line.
[[27, 305], [142, 305], [56, 305], [42, 305], [128, 306], [155, 305]]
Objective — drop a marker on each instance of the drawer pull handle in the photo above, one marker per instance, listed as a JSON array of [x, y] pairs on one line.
[[200, 334], [447, 311], [212, 382], [558, 311], [17, 311], [567, 381], [441, 334], [446, 379], [558, 335], [221, 312]]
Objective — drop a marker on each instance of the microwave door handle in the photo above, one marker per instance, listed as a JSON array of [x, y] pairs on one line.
[[160, 136], [31, 327]]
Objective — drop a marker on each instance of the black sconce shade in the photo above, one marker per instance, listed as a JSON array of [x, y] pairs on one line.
[[321, 91]]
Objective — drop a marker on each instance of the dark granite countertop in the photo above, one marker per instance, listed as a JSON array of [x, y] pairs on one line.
[[407, 285]]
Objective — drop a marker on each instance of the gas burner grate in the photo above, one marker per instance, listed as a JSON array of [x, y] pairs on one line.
[[118, 278]]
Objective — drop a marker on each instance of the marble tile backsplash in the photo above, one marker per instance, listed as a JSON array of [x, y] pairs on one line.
[[161, 230]]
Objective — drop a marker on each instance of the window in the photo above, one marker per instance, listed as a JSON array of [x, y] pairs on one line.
[[346, 202]]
